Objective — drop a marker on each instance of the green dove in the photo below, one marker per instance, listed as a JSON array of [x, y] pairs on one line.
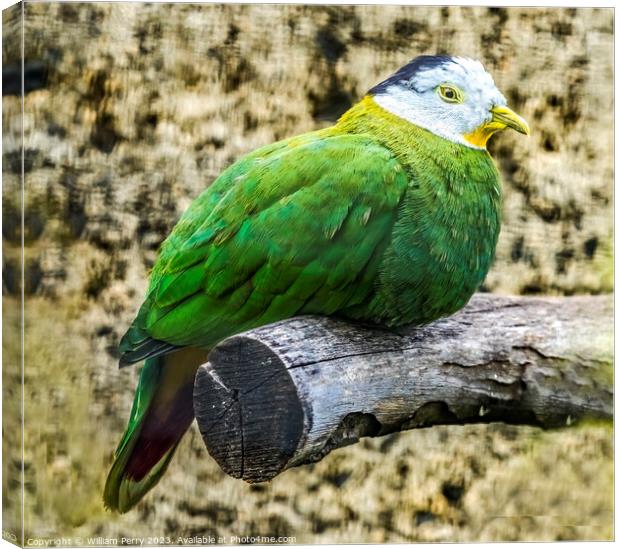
[[390, 216]]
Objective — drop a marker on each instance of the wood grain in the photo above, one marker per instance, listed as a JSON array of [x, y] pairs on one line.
[[289, 393]]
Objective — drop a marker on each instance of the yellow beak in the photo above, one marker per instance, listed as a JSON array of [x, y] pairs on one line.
[[503, 117], [509, 119]]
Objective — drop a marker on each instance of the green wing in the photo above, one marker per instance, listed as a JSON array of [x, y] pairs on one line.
[[297, 227]]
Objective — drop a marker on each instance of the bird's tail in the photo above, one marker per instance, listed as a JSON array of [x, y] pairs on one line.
[[161, 414]]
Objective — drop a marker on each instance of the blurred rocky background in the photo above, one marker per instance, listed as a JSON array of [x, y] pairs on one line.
[[132, 109]]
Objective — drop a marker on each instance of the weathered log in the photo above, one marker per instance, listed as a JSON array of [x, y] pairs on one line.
[[288, 393]]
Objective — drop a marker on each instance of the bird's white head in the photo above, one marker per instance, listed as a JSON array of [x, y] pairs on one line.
[[453, 97]]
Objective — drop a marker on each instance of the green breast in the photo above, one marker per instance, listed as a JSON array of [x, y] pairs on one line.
[[443, 242], [444, 239]]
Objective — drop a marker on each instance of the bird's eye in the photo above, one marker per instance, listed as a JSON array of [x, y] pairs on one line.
[[450, 94]]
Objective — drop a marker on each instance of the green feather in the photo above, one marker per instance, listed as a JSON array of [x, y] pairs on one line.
[[443, 241], [236, 270]]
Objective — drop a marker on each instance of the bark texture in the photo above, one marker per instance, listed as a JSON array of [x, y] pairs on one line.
[[289, 393]]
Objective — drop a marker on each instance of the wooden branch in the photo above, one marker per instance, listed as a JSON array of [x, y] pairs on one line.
[[289, 393]]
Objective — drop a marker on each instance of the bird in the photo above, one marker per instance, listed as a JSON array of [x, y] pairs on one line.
[[390, 217]]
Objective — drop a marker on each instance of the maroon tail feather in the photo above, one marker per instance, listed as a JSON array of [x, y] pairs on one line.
[[159, 434]]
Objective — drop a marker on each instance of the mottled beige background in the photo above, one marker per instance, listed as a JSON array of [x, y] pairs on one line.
[[137, 108]]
